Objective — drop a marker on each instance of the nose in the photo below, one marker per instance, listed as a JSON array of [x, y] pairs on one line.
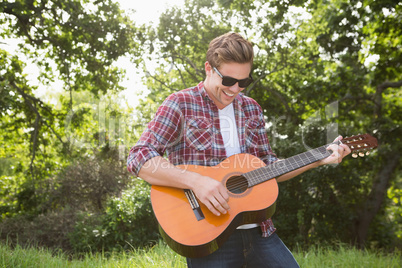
[[235, 88]]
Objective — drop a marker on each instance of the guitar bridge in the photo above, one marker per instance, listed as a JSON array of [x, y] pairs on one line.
[[195, 206]]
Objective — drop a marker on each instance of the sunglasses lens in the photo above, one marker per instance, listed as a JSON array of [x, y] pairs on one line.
[[245, 82], [228, 81]]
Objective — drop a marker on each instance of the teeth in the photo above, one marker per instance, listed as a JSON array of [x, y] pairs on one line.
[[230, 95]]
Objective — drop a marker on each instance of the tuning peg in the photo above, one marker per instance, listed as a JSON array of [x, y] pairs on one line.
[[354, 155], [361, 154], [368, 152]]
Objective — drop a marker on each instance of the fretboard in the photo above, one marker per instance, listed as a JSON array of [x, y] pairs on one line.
[[284, 166]]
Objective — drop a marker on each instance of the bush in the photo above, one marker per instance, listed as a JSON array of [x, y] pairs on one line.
[[50, 230], [90, 181], [83, 238], [128, 222]]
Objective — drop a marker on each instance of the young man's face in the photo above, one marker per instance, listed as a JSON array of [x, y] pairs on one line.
[[220, 94]]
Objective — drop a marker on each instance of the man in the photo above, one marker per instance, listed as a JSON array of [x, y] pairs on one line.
[[205, 124]]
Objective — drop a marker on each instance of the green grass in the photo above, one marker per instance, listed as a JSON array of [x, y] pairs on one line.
[[162, 256], [347, 257], [158, 256]]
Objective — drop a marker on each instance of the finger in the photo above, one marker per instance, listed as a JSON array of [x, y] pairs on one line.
[[223, 203], [218, 206], [224, 193], [338, 138], [347, 150], [343, 150], [211, 208], [336, 154], [337, 157], [333, 148]]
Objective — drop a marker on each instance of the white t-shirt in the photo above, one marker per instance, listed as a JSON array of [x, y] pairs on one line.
[[229, 130], [230, 138]]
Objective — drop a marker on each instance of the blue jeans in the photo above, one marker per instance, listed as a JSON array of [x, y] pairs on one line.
[[246, 248]]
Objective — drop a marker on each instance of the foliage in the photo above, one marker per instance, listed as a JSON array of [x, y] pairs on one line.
[[60, 152], [88, 182], [46, 230], [127, 223], [76, 44], [129, 220]]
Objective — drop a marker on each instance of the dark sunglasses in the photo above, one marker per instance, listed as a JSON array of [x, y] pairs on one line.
[[230, 81]]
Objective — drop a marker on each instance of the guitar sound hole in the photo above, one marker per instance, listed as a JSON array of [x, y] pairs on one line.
[[237, 184]]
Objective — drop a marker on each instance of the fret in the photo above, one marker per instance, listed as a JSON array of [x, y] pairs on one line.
[[284, 166], [252, 179]]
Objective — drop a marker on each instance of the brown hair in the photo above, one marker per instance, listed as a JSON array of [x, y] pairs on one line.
[[229, 47]]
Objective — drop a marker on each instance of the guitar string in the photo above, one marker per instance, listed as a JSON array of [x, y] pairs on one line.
[[281, 170], [262, 176], [291, 161], [262, 173], [238, 186], [311, 157], [287, 165]]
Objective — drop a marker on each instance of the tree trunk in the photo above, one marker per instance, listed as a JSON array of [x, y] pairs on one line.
[[375, 199], [381, 182]]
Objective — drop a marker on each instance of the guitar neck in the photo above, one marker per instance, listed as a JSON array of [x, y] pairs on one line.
[[284, 166]]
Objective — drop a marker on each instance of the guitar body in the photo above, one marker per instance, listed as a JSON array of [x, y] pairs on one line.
[[194, 237]]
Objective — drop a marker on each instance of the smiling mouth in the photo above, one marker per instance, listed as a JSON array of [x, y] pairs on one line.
[[228, 94]]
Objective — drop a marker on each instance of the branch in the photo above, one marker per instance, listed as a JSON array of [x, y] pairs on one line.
[[34, 142], [181, 75], [388, 84], [378, 95], [36, 126], [161, 82], [25, 20], [28, 99], [254, 83], [186, 59], [355, 100], [263, 75]]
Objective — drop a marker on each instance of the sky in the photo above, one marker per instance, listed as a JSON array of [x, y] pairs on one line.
[[146, 12]]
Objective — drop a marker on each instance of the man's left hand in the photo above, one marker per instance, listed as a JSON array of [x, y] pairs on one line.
[[338, 153]]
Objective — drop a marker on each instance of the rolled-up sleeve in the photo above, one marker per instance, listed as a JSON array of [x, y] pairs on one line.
[[163, 131]]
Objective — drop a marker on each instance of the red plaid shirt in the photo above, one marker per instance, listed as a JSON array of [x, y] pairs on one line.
[[186, 127]]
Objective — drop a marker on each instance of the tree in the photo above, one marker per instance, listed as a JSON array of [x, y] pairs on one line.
[[313, 63], [359, 32], [73, 42]]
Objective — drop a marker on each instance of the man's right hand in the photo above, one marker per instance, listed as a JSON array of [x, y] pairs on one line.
[[212, 194]]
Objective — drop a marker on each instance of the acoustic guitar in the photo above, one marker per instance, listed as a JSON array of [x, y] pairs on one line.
[[191, 230]]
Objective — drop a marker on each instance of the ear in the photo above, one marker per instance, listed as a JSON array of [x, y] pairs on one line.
[[208, 68]]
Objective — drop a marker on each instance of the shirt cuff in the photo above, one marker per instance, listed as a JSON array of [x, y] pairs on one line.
[[138, 156]]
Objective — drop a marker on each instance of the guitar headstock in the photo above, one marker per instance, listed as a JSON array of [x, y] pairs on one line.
[[360, 144]]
